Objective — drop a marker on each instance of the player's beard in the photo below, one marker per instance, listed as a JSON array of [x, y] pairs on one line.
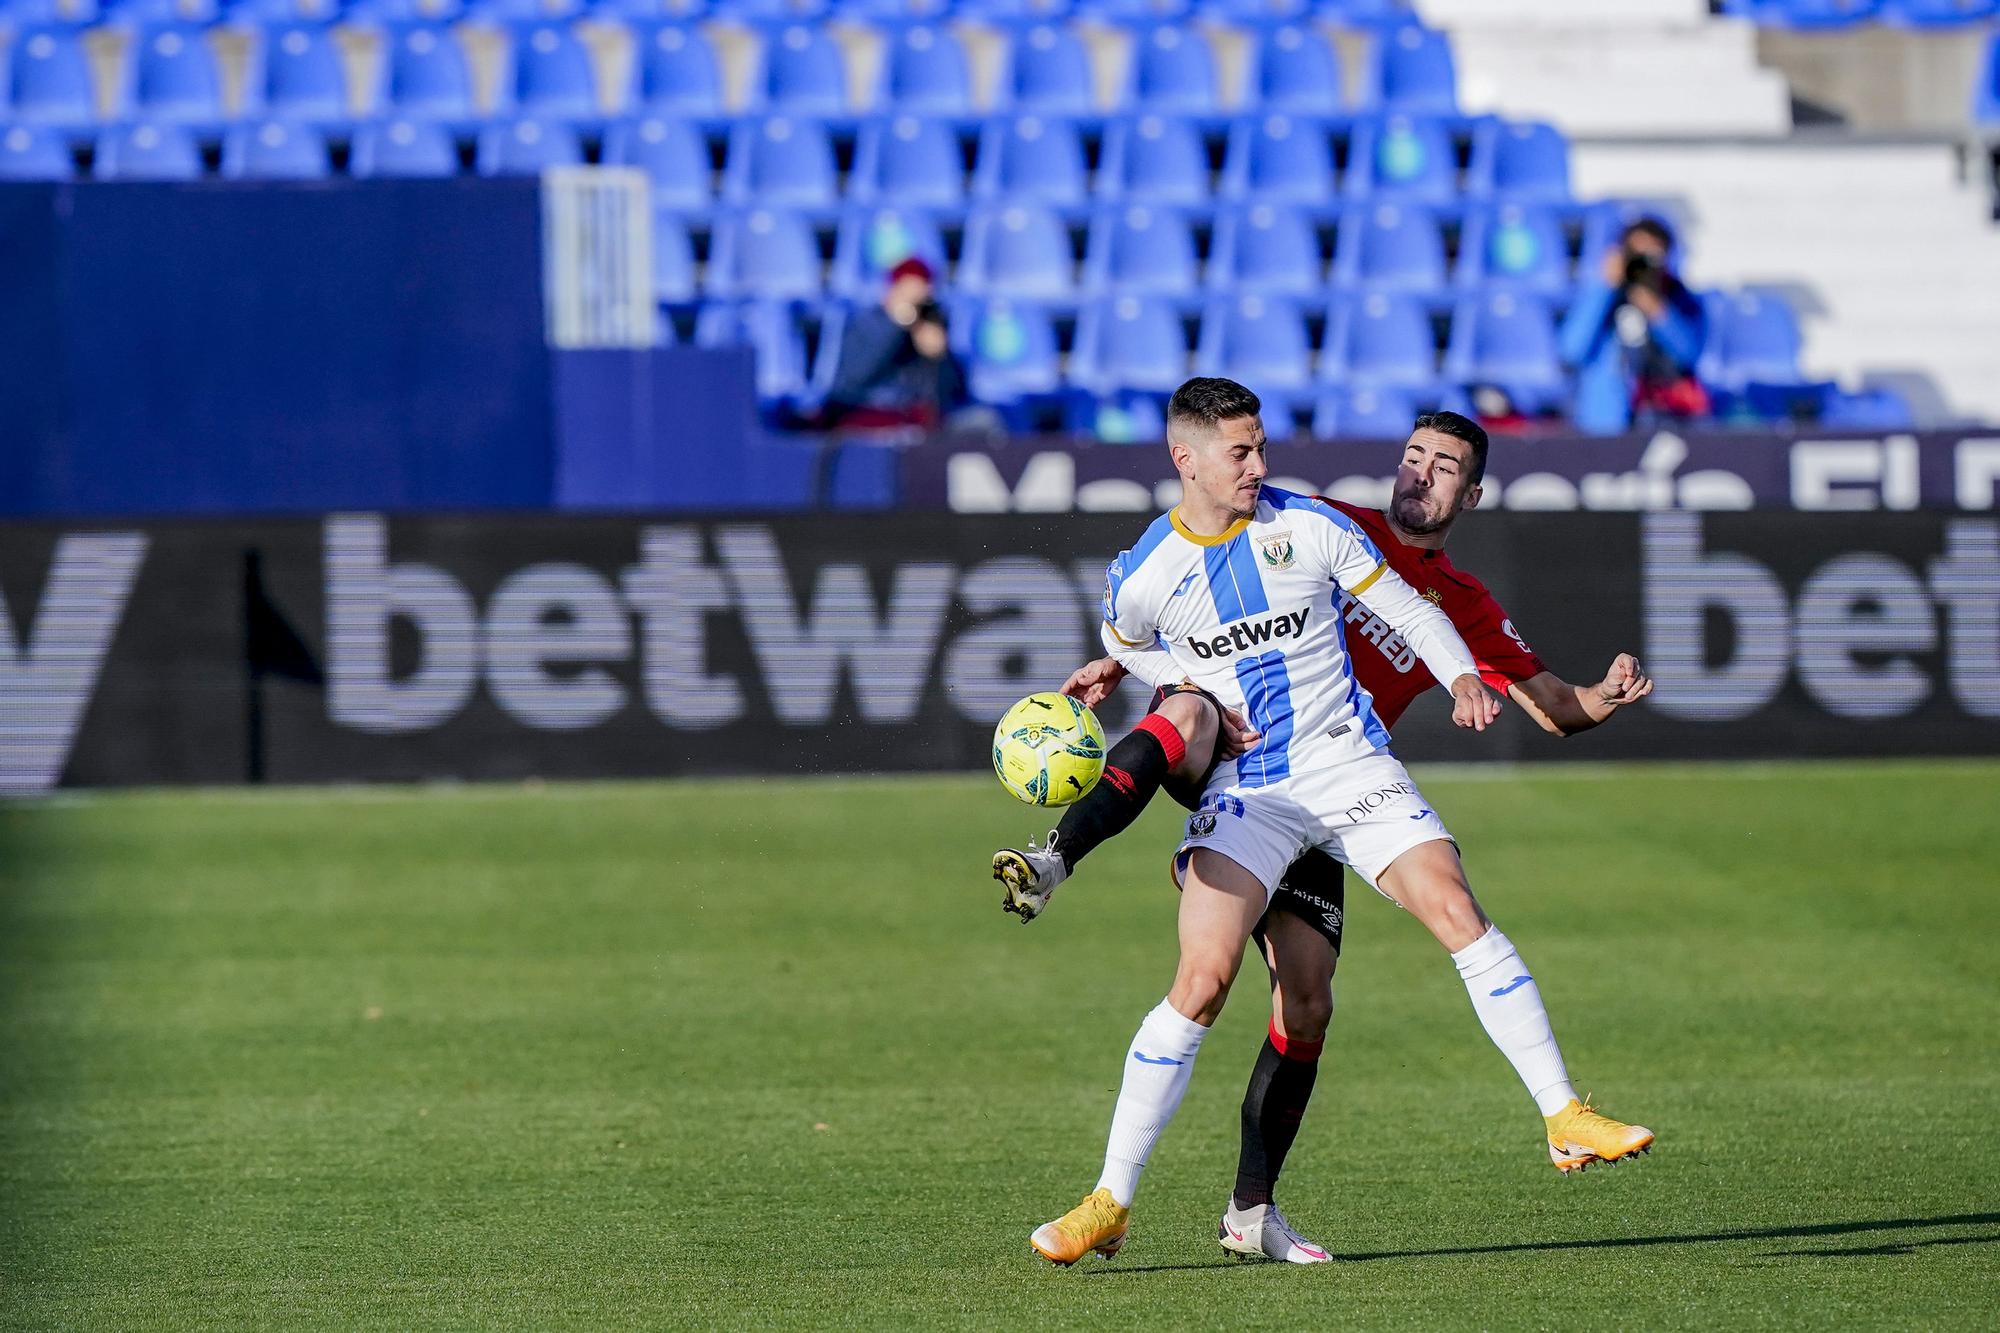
[[1414, 516]]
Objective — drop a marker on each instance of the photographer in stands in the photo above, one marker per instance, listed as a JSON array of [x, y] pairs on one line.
[[896, 367], [1633, 336]]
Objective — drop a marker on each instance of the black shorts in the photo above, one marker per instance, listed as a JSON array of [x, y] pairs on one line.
[[1314, 890], [1314, 887]]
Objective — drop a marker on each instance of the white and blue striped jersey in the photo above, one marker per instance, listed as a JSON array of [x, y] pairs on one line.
[[1249, 615]]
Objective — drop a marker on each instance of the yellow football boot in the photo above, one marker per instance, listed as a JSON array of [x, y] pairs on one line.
[[1098, 1223], [1579, 1136]]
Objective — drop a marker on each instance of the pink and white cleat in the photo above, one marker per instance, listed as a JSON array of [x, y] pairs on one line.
[[1263, 1233]]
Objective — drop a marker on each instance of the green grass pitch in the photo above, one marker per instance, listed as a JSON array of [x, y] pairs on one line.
[[769, 1053]]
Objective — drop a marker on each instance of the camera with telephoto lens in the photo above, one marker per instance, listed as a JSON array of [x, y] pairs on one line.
[[1644, 270]]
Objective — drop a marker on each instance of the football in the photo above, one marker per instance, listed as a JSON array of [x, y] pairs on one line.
[[1048, 749]]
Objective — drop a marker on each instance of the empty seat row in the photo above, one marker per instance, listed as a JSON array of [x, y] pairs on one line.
[[277, 150], [1026, 253], [547, 66], [757, 13]]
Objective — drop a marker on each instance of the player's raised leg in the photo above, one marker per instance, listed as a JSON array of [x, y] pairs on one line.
[[1176, 739], [1429, 880], [1301, 959], [1220, 904]]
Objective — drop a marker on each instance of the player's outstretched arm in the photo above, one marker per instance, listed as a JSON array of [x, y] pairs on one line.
[[1564, 709], [1091, 684]]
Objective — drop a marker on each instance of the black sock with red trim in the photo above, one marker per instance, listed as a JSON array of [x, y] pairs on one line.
[[1133, 771], [1281, 1083]]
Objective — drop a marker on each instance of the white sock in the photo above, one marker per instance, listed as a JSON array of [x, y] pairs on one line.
[[1509, 1005], [1157, 1069]]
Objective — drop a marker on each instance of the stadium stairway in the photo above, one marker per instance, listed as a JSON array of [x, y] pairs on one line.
[[1622, 67], [1886, 250]]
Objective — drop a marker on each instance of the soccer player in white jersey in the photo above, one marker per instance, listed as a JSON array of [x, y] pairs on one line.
[[1235, 583]]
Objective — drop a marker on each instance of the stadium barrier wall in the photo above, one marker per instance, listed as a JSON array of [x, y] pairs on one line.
[[1661, 470], [361, 647]]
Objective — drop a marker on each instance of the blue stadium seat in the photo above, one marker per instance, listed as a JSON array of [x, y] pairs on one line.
[[526, 147], [1012, 13], [673, 260], [781, 162], [925, 71], [1515, 246], [50, 78], [1279, 157], [677, 70], [673, 155], [427, 74], [804, 72], [402, 147], [1129, 342], [1118, 418], [1140, 250], [1265, 248], [1017, 251], [1377, 340], [1402, 157], [1390, 247], [769, 330], [285, 13], [1752, 335], [649, 11], [1986, 93], [907, 160], [1132, 13], [1803, 14], [49, 13], [1265, 14], [770, 12], [34, 153], [299, 74], [1867, 409], [1259, 341], [1414, 72], [1521, 160], [1507, 340], [1173, 69], [520, 13], [175, 76], [1938, 13], [1363, 414], [1048, 73], [146, 151], [1295, 70], [402, 13], [275, 150], [764, 254], [1154, 159], [891, 14], [552, 72], [872, 241], [1009, 349], [1031, 159], [160, 13]]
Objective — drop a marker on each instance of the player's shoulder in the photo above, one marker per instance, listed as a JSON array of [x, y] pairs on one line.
[[1460, 583], [1149, 544], [1287, 504]]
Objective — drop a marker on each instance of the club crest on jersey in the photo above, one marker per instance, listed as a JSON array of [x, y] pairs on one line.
[[1201, 824], [1276, 550], [1434, 595]]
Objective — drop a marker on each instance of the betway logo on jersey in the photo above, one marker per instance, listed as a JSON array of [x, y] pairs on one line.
[[1378, 632], [1247, 634]]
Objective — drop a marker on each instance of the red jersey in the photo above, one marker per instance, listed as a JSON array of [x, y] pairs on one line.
[[1387, 667]]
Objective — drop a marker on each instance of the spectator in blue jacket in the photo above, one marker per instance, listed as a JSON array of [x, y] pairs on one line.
[[1634, 335], [896, 366]]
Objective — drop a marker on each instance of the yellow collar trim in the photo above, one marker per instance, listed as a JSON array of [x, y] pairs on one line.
[[1174, 516]]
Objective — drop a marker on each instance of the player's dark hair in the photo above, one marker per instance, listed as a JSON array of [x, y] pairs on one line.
[[1459, 428], [1208, 401], [1648, 225]]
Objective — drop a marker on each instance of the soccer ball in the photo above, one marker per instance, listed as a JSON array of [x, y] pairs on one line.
[[1048, 749]]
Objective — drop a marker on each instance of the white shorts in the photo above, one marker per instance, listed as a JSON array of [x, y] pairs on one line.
[[1366, 814]]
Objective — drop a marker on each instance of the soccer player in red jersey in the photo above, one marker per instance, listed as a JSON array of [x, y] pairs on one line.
[[1188, 733]]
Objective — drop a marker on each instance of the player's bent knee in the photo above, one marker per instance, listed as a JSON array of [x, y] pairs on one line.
[[1306, 1016], [1200, 989], [1194, 718]]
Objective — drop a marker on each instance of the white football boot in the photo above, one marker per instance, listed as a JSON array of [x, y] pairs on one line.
[[1263, 1233], [1029, 877]]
